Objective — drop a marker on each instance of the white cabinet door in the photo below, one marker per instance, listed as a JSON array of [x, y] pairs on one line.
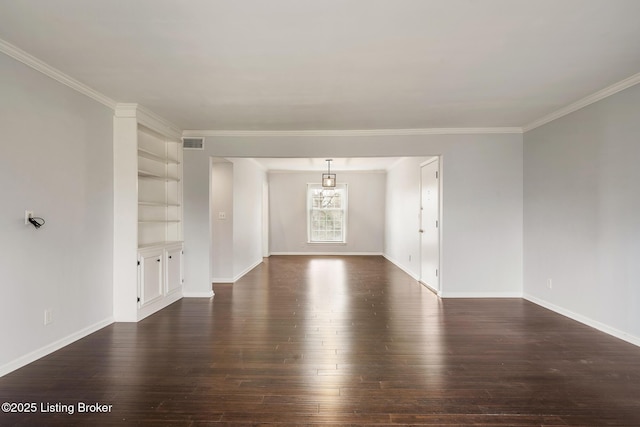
[[151, 280], [174, 269]]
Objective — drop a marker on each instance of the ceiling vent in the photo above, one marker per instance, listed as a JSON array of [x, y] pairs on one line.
[[193, 143]]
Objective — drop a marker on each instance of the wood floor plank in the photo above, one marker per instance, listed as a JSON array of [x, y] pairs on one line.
[[319, 340]]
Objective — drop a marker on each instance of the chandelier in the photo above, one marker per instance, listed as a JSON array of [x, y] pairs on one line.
[[329, 179]]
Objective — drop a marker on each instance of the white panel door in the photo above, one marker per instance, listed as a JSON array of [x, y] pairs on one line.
[[151, 285], [174, 269], [429, 225]]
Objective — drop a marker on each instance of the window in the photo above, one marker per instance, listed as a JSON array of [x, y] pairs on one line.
[[327, 218]]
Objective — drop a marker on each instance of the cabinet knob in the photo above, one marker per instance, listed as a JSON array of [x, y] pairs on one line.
[[169, 256], [158, 260]]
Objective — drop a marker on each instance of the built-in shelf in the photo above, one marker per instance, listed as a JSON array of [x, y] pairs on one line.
[[158, 204], [159, 188], [150, 202], [159, 244], [151, 175], [152, 156]]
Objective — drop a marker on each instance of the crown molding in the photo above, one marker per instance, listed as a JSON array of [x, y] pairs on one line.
[[340, 171], [129, 111], [354, 132], [588, 100], [148, 119], [144, 116], [153, 121], [46, 69]]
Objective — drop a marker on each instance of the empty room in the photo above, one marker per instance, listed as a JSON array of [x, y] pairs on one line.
[[294, 212]]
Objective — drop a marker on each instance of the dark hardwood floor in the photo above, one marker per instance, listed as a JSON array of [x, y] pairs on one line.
[[336, 341]]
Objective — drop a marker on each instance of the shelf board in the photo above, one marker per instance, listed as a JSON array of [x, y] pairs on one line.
[[159, 204], [158, 221], [151, 175], [155, 157], [161, 244]]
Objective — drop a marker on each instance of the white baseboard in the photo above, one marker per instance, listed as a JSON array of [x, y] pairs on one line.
[[248, 269], [237, 276], [50, 348], [431, 288], [585, 320], [187, 294], [158, 305], [481, 294], [442, 294], [222, 280], [329, 253], [401, 267]]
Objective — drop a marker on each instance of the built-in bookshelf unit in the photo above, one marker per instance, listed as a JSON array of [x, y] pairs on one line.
[[159, 189], [148, 243]]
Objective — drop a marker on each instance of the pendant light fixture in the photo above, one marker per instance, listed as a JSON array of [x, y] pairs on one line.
[[329, 179]]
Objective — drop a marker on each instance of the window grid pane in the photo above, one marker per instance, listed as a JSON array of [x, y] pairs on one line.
[[326, 216]]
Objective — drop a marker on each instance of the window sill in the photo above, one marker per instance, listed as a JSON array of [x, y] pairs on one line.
[[327, 243]]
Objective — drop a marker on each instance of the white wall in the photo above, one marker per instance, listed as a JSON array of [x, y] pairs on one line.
[[402, 241], [288, 213], [232, 246], [582, 204], [481, 228], [481, 251], [248, 180], [221, 229], [56, 159], [197, 234], [125, 209], [482, 197]]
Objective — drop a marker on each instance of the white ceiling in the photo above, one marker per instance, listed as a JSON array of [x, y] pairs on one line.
[[335, 64]]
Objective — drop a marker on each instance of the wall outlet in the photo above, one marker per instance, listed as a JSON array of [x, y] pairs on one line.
[[27, 215], [222, 215], [549, 284], [48, 316]]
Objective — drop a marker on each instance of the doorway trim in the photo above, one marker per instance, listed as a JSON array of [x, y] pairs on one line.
[[438, 160]]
